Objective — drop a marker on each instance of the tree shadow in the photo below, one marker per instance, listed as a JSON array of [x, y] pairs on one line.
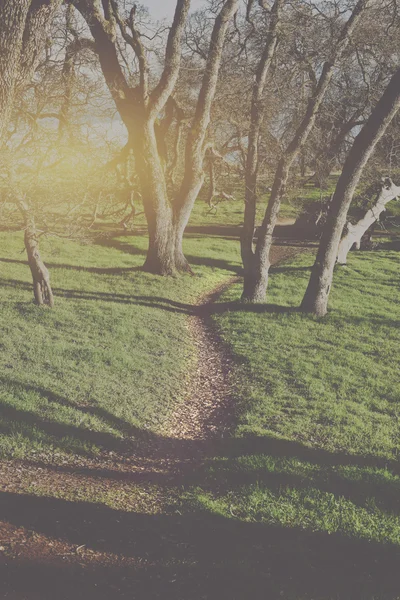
[[129, 248], [128, 439], [188, 556], [125, 247], [62, 435], [68, 267], [97, 411], [195, 554], [215, 263], [136, 443], [158, 302]]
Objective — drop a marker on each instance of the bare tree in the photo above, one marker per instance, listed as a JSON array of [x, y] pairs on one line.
[[355, 231], [256, 118], [319, 286], [147, 114], [364, 72], [257, 264]]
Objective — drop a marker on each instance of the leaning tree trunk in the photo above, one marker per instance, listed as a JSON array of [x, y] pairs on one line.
[[355, 231], [316, 297], [40, 274], [195, 146]]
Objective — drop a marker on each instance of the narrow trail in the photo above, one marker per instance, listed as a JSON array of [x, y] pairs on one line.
[[208, 412], [40, 524]]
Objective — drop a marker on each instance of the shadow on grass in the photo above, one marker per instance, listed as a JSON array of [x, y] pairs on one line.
[[128, 248], [193, 555], [188, 557], [107, 441], [95, 270], [174, 306], [63, 435], [131, 441], [156, 302]]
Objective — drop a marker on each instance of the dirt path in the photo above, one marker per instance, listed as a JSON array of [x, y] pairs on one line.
[[48, 516], [208, 410]]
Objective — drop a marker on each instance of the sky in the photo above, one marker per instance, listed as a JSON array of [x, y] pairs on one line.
[[165, 8]]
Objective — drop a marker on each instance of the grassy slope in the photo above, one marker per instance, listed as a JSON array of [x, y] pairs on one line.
[[110, 358], [316, 445], [318, 435]]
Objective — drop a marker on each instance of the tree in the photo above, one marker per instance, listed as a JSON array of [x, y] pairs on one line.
[[316, 297], [365, 70], [257, 264], [256, 118], [40, 275], [24, 25], [355, 231], [148, 113]]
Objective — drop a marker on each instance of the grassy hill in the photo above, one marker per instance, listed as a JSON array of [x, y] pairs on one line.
[[299, 501]]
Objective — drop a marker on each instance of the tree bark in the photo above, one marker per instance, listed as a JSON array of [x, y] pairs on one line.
[[12, 26], [316, 297], [160, 257], [195, 146], [256, 274], [256, 119], [40, 275], [23, 28], [355, 231]]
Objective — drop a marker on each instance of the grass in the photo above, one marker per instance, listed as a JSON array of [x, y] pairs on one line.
[[110, 360], [301, 502], [317, 441]]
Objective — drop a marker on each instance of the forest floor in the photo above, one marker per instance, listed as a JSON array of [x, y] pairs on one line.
[[251, 484]]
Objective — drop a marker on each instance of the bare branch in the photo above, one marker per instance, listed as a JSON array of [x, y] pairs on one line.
[[165, 87]]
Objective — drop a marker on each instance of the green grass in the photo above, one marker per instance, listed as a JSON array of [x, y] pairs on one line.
[[301, 502], [317, 441], [111, 359]]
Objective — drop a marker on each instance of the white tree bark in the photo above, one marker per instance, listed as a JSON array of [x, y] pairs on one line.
[[354, 233]]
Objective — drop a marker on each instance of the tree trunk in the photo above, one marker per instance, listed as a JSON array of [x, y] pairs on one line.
[[40, 274], [257, 277], [195, 146], [23, 28], [317, 293], [356, 231], [251, 169], [12, 26], [139, 108], [160, 258]]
